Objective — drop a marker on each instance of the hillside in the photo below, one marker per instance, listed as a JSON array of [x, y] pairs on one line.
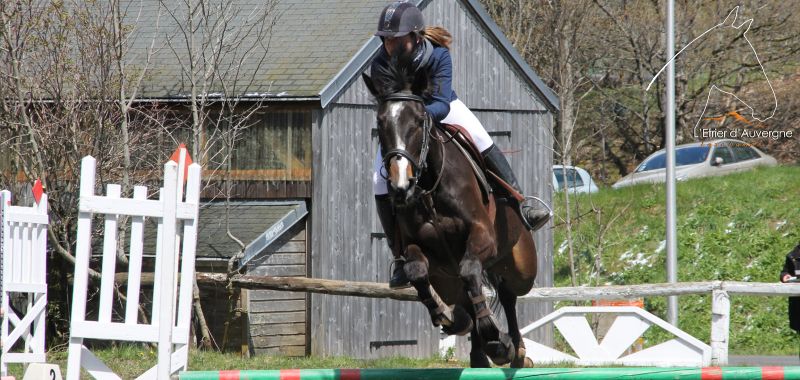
[[736, 228]]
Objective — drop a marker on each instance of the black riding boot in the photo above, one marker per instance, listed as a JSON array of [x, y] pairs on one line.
[[497, 163], [384, 206]]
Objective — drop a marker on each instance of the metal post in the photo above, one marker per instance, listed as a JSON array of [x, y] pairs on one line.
[[672, 245]]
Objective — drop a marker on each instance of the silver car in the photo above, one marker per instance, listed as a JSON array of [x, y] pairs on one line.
[[701, 159], [574, 178]]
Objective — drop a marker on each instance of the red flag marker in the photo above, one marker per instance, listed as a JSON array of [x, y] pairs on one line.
[[38, 190], [176, 158]]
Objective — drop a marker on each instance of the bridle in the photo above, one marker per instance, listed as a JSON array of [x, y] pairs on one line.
[[417, 167]]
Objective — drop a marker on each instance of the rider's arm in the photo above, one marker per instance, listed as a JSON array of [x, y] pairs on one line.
[[441, 86]]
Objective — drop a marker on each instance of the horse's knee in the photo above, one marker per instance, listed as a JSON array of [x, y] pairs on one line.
[[416, 270], [470, 269], [416, 266]]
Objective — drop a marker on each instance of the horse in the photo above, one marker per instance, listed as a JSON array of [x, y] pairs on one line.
[[720, 89], [452, 238]]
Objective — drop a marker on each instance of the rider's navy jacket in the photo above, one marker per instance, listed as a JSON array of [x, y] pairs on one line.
[[440, 67]]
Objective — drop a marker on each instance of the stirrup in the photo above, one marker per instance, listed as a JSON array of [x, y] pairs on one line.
[[522, 214]]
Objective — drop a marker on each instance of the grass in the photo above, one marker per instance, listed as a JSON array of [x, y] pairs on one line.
[[737, 228], [131, 360]]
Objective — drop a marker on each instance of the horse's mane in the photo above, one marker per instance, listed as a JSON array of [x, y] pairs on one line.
[[398, 75]]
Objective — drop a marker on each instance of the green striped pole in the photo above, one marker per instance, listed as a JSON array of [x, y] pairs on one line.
[[628, 373]]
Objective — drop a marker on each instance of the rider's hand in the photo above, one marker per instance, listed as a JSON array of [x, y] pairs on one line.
[[786, 277]]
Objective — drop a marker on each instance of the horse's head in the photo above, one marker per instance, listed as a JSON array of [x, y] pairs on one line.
[[759, 97], [403, 126]]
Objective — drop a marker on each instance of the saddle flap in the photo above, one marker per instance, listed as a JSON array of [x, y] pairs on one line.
[[464, 139]]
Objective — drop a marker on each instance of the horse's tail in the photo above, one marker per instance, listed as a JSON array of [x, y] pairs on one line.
[[492, 281]]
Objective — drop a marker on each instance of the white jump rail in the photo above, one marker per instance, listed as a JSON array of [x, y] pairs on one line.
[[176, 218], [24, 272], [720, 301]]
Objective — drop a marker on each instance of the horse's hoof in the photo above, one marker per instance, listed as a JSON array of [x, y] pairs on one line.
[[478, 360], [520, 360], [500, 351], [528, 362], [462, 322]]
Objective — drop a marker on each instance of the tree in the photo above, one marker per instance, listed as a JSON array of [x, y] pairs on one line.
[[220, 48], [635, 47], [66, 93], [556, 38]]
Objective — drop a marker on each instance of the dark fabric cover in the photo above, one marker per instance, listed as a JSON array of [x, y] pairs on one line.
[[791, 265]]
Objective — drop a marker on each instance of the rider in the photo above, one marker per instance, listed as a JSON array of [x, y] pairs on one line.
[[402, 30]]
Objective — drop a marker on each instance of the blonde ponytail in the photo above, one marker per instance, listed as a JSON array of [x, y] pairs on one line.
[[438, 35]]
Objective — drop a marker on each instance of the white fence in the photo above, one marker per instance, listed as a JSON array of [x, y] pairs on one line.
[[175, 246], [24, 272], [720, 301]]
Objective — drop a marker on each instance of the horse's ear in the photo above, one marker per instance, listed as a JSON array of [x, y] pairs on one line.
[[420, 84], [370, 85], [731, 18], [745, 26]]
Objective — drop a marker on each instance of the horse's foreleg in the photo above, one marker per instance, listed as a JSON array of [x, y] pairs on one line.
[[509, 301], [477, 359], [481, 247], [416, 268]]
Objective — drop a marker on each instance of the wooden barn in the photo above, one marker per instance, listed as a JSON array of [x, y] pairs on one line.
[[303, 197]]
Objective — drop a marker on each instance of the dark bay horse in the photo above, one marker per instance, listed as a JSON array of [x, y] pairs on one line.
[[451, 237]]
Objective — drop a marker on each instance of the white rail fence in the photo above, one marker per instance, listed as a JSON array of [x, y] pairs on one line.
[[720, 291], [175, 246], [24, 277]]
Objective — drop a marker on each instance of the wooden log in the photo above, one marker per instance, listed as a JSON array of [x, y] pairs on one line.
[[617, 292], [313, 285], [376, 290]]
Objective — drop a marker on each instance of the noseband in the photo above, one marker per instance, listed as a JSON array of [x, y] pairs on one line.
[[417, 167]]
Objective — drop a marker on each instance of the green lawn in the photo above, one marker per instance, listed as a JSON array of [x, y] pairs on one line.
[[129, 361], [736, 228]]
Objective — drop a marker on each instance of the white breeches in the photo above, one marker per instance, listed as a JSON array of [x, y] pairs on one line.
[[460, 115]]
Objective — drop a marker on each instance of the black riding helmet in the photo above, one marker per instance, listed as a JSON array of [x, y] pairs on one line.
[[400, 18]]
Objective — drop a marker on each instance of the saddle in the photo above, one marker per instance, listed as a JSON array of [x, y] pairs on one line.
[[486, 178]]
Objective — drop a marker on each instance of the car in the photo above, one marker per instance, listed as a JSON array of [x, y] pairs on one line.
[[699, 159], [577, 179]]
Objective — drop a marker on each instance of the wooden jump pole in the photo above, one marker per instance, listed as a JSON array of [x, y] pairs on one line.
[[314, 285]]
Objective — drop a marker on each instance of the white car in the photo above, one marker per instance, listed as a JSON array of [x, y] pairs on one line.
[[573, 177], [701, 159]]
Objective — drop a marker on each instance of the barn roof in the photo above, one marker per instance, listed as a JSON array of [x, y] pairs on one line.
[[252, 222], [315, 49]]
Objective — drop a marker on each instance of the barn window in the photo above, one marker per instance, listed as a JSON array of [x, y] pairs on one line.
[[274, 146]]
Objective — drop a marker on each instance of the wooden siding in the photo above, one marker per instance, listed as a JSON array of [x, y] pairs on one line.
[[483, 78], [344, 218], [277, 319]]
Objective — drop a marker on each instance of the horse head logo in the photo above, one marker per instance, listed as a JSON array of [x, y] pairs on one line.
[[743, 51]]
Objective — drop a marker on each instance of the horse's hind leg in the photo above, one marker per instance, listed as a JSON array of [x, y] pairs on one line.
[[509, 301], [496, 344], [455, 321]]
